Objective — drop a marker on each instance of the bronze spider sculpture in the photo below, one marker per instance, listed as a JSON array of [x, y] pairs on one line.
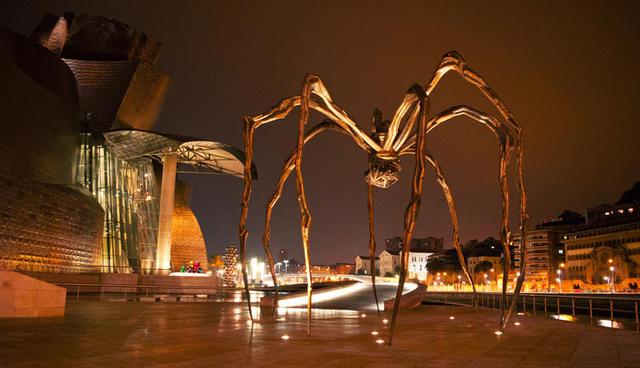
[[405, 134]]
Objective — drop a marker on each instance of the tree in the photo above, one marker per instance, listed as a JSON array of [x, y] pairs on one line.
[[631, 195], [482, 267]]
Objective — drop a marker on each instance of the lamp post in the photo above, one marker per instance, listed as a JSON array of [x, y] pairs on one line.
[[613, 280], [486, 282], [559, 280], [459, 282]]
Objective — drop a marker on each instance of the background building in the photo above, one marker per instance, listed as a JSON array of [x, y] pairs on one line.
[[590, 254], [229, 279], [429, 244], [363, 265]]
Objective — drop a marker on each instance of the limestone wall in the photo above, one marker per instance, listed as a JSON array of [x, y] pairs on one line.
[[24, 296]]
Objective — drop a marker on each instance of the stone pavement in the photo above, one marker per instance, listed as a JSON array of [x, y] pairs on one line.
[[109, 334]]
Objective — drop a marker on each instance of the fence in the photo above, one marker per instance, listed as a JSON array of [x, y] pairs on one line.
[[609, 305]]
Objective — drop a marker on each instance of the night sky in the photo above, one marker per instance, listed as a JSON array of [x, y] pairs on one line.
[[567, 70]]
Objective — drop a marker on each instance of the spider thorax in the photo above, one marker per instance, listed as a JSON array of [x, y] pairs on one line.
[[382, 173]]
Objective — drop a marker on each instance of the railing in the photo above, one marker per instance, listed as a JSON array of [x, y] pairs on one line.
[[609, 305], [134, 290]]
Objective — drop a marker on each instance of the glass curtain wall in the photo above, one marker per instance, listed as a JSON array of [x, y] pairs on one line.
[[127, 191]]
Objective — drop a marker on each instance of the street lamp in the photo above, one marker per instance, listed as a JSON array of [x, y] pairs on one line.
[[459, 284], [486, 282], [559, 279], [613, 280]]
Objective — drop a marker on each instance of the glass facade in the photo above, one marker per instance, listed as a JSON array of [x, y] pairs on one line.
[[128, 193]]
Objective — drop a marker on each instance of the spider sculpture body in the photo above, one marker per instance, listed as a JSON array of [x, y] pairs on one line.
[[404, 134]]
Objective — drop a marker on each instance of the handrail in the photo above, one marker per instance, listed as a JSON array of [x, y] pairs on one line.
[[600, 296], [555, 305]]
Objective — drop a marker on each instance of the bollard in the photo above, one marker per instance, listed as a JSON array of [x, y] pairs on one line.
[[590, 309], [545, 306], [637, 313], [78, 293], [524, 304], [493, 300], [534, 305], [573, 307], [558, 302], [101, 292]]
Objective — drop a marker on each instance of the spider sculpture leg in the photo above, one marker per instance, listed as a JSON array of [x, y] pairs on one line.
[[247, 136], [372, 245], [506, 139], [454, 61], [277, 193], [411, 213], [312, 86], [446, 191]]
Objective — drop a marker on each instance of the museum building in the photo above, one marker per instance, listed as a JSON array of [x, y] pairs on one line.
[[85, 184]]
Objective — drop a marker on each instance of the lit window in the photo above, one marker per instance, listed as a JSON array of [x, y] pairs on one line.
[[621, 211], [630, 209]]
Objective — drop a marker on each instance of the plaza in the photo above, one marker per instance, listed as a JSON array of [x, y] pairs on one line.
[[219, 334]]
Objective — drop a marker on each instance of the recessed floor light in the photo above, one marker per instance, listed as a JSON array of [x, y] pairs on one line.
[[285, 337], [380, 341]]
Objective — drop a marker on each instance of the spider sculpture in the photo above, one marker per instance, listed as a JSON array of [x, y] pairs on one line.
[[405, 134]]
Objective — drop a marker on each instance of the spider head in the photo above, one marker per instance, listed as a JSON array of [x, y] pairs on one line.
[[383, 173]]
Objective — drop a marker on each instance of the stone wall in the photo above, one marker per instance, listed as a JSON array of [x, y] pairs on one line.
[[24, 296]]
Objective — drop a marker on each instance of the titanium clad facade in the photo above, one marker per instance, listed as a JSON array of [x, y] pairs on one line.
[[187, 242], [46, 224]]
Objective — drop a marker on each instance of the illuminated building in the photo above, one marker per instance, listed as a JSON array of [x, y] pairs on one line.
[[46, 222], [544, 254], [283, 254], [429, 244], [363, 265], [230, 266], [390, 264], [341, 268], [85, 186], [591, 253]]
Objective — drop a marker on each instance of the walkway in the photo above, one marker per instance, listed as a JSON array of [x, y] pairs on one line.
[[108, 334]]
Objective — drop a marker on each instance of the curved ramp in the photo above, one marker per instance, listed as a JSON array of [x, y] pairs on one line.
[[355, 296]]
